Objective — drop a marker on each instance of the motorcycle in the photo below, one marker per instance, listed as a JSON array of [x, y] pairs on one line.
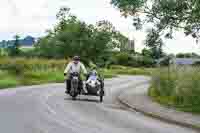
[[92, 88], [74, 91]]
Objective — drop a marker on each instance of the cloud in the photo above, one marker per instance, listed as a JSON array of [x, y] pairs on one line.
[[39, 15], [14, 9], [36, 16], [25, 16]]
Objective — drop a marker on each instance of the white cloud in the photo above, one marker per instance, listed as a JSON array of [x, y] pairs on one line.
[[182, 44], [38, 15], [35, 16], [24, 16]]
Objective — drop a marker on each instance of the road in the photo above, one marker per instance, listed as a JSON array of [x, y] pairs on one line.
[[46, 109]]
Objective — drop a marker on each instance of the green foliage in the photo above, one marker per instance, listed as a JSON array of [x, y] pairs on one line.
[[122, 70], [165, 16], [32, 71], [7, 80], [153, 52], [118, 67], [187, 55], [177, 88], [20, 65], [123, 58], [14, 50], [197, 64], [74, 37], [28, 52], [40, 77], [23, 71], [126, 59]]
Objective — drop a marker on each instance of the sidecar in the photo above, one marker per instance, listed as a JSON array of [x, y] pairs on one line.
[[95, 88]]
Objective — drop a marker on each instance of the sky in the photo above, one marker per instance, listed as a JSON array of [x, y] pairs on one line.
[[34, 17]]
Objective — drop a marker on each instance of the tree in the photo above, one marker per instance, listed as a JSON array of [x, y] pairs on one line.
[[117, 39], [72, 36], [187, 55], [4, 44], [166, 16], [13, 49]]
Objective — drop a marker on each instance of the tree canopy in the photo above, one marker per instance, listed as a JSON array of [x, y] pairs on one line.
[[72, 36], [14, 50], [166, 16]]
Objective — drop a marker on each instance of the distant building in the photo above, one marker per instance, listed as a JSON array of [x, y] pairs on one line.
[[28, 41], [130, 46], [184, 61]]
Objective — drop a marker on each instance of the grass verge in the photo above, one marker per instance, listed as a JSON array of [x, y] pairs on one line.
[[22, 71], [177, 88]]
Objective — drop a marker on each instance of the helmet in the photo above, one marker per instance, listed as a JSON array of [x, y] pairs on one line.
[[76, 58], [94, 72]]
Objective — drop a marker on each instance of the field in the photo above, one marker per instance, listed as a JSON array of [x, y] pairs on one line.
[[22, 71], [178, 88]]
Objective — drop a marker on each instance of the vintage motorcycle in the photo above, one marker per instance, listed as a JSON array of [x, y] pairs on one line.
[[93, 88]]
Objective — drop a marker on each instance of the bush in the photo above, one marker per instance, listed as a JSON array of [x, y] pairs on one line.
[[23, 71], [126, 59], [196, 63], [7, 81], [123, 58], [147, 62], [117, 67], [132, 71], [31, 78]]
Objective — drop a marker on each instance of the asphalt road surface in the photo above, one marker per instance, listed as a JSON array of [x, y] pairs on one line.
[[46, 109]]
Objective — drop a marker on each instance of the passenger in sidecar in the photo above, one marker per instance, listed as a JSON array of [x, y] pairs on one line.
[[94, 84]]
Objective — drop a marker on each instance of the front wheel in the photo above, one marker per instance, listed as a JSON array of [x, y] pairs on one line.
[[74, 98], [101, 95], [101, 98], [73, 95]]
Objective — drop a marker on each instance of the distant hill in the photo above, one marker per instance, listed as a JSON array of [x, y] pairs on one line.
[[27, 42]]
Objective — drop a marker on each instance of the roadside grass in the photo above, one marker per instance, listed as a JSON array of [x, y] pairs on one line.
[[21, 71], [122, 70], [11, 80], [26, 48], [177, 88], [34, 78], [7, 80]]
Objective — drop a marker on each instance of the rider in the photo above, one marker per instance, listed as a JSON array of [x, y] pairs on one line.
[[74, 66]]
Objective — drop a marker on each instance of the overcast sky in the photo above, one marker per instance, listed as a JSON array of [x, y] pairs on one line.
[[33, 17]]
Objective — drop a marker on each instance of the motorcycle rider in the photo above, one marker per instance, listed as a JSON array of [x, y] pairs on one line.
[[74, 66]]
